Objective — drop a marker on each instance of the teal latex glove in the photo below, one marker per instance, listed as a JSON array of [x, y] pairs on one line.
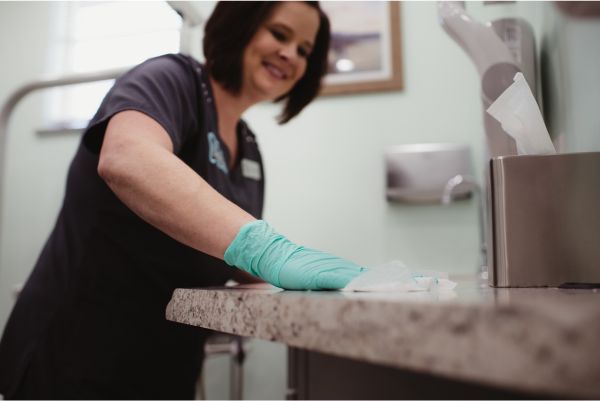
[[261, 251]]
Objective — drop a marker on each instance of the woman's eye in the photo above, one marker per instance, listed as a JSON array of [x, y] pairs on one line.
[[280, 36], [302, 52]]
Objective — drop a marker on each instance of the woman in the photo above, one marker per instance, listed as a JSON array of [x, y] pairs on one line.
[[166, 184]]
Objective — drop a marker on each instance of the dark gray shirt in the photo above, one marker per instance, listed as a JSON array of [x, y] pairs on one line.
[[90, 322]]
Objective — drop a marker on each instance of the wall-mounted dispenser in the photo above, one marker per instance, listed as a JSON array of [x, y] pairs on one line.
[[499, 49], [419, 173], [439, 173]]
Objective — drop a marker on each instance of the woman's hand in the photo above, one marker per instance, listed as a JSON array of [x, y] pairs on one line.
[[261, 251]]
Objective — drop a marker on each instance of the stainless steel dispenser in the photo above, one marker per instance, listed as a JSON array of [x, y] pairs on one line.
[[499, 49], [419, 172], [544, 220]]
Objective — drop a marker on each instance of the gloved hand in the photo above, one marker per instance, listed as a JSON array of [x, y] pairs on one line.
[[261, 251]]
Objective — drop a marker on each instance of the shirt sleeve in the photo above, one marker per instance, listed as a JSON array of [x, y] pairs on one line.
[[162, 88]]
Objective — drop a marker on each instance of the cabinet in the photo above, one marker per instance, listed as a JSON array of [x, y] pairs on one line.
[[318, 376]]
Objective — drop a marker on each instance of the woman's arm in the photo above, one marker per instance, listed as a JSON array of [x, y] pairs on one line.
[[138, 164]]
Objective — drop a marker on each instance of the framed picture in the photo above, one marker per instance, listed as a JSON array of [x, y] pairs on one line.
[[365, 53]]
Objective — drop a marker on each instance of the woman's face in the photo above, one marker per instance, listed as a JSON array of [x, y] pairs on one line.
[[276, 57]]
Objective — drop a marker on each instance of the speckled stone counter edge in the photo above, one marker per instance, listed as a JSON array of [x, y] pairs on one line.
[[529, 347]]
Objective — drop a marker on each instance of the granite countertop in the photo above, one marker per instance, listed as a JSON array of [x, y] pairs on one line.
[[544, 340]]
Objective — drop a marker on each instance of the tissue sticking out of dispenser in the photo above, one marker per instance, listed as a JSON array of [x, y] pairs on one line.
[[498, 49], [419, 173], [520, 116]]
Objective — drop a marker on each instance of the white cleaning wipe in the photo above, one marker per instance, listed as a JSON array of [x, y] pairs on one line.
[[395, 276], [519, 114]]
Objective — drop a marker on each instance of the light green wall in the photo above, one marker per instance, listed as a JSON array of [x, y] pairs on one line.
[[577, 69], [325, 177], [325, 172], [36, 166]]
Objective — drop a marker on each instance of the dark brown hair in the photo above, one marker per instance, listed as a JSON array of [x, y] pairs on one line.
[[228, 31]]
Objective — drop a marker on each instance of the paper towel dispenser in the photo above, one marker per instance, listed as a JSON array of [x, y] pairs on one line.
[[544, 220], [419, 173]]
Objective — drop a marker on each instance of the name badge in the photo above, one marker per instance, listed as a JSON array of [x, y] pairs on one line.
[[251, 169]]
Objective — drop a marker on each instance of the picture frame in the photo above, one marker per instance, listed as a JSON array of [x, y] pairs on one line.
[[365, 53]]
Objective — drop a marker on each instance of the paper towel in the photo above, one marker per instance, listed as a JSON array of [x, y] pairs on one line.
[[395, 276], [519, 114]]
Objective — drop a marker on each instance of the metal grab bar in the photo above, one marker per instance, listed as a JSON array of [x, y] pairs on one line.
[[236, 348], [20, 93], [447, 198]]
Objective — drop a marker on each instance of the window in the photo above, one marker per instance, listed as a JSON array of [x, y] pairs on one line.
[[106, 35]]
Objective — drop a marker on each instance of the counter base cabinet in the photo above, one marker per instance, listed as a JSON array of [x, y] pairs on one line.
[[317, 376]]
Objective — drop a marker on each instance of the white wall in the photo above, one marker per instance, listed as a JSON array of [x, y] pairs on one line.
[[325, 177], [35, 169]]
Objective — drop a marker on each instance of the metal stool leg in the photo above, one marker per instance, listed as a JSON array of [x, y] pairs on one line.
[[200, 393], [234, 346], [237, 368]]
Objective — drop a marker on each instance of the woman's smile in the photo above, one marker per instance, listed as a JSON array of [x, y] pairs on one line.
[[279, 72]]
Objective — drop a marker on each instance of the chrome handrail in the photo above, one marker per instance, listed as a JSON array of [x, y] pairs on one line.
[[236, 348], [10, 104]]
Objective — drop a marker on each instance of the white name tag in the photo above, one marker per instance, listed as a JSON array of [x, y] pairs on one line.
[[251, 169]]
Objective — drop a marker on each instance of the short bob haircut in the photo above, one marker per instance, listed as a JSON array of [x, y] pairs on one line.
[[228, 31]]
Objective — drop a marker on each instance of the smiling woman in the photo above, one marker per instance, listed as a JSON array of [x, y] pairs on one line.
[[276, 58], [165, 191], [225, 48]]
